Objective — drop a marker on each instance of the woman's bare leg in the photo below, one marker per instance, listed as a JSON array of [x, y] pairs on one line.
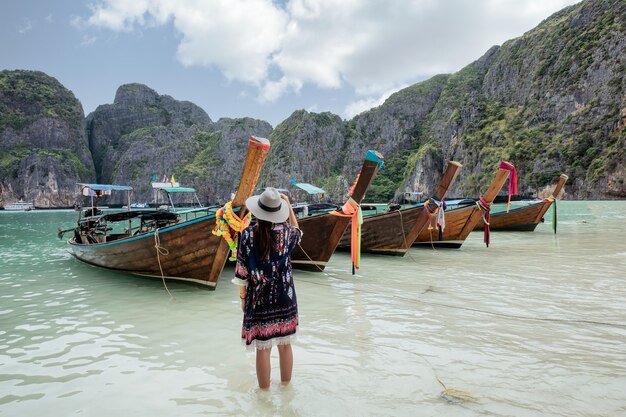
[[286, 363], [263, 367]]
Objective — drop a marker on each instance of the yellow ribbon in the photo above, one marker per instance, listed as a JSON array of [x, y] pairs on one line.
[[226, 219]]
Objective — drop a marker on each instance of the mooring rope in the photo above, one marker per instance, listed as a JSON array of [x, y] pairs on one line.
[[485, 207], [160, 250], [477, 310]]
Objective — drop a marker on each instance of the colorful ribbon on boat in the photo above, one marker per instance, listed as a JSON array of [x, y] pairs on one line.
[[226, 219], [437, 216], [512, 180], [553, 201], [352, 209], [486, 209]]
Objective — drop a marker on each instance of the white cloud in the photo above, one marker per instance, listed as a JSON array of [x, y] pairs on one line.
[[238, 37], [273, 90], [88, 40], [26, 26], [373, 46], [359, 106]]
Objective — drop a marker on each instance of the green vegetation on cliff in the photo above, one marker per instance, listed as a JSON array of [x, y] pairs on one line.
[[26, 96]]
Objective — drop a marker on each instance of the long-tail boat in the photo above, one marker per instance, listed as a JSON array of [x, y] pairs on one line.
[[461, 220], [393, 232], [526, 217], [322, 232], [165, 247]]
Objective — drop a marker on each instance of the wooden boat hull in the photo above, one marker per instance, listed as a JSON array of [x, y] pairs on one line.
[[185, 251], [321, 233], [525, 218], [459, 224], [460, 221], [316, 247], [386, 233], [393, 233], [189, 252], [519, 219]]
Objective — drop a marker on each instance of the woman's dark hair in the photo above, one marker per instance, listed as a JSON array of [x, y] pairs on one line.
[[263, 238]]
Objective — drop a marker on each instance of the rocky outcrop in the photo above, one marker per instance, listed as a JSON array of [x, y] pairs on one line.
[[551, 101], [144, 135], [43, 146], [113, 127], [306, 147]]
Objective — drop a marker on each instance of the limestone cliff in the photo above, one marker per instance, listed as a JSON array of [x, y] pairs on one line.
[[551, 101], [43, 146], [144, 134]]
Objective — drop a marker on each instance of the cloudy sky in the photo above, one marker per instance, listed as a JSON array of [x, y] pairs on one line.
[[257, 58]]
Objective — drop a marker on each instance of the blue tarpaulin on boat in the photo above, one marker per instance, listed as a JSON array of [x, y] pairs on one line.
[[178, 189], [309, 188], [106, 187]]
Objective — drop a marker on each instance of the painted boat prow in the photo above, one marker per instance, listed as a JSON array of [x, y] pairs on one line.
[[393, 232], [322, 232], [460, 221]]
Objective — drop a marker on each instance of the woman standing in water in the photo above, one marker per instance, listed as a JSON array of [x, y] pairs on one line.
[[267, 292]]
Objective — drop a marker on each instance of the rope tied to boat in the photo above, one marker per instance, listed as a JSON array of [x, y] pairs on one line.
[[485, 207], [437, 216], [352, 209], [225, 220], [512, 180], [160, 250]]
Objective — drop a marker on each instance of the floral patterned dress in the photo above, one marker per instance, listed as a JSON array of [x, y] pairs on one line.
[[271, 309]]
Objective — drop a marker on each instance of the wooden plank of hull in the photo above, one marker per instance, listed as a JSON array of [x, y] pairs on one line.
[[456, 230], [460, 221], [523, 219], [321, 233], [394, 232], [519, 219], [190, 251], [386, 233]]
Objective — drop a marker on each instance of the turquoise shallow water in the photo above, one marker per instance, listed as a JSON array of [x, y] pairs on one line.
[[534, 325]]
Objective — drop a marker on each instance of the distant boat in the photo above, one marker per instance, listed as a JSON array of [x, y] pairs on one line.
[[20, 206], [309, 199], [461, 220], [527, 216], [162, 245], [394, 231], [136, 205], [169, 191]]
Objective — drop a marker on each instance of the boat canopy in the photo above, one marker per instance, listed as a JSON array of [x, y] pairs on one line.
[[460, 201], [309, 188], [178, 189], [101, 189], [107, 187]]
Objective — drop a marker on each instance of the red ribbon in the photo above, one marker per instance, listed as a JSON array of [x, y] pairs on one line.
[[512, 180], [486, 208]]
